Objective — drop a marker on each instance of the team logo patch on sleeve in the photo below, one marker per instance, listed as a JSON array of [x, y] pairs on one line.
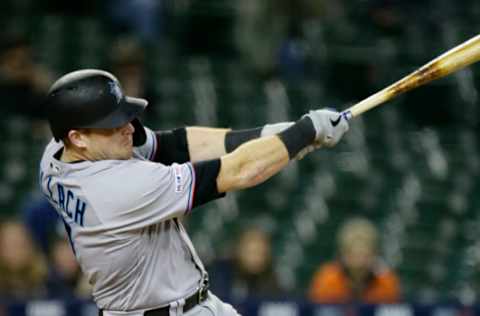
[[178, 179]]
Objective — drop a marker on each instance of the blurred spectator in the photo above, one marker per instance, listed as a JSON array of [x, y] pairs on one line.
[[249, 273], [84, 8], [42, 221], [23, 82], [128, 64], [23, 270], [141, 18], [270, 35], [260, 29], [206, 27], [127, 59], [358, 274], [65, 278]]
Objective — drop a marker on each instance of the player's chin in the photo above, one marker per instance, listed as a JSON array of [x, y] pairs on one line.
[[125, 153], [128, 153]]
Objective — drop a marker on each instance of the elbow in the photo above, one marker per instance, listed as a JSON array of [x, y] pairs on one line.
[[249, 177], [240, 170], [236, 178]]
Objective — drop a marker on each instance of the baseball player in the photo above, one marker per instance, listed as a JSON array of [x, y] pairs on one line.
[[123, 189]]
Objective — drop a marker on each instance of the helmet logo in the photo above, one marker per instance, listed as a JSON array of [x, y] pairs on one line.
[[115, 90]]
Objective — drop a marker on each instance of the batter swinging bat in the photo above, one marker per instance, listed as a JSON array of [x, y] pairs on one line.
[[455, 59]]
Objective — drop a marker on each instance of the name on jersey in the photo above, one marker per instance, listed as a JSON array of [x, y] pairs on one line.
[[66, 201]]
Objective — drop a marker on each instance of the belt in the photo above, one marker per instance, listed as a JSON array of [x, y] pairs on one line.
[[192, 301]]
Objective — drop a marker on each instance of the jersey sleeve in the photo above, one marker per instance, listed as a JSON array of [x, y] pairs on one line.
[[148, 150], [166, 147], [136, 193]]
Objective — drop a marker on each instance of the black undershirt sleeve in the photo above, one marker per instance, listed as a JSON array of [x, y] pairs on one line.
[[172, 146], [298, 136], [233, 139], [206, 173]]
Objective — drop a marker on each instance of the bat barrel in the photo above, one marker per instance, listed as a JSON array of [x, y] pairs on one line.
[[455, 59]]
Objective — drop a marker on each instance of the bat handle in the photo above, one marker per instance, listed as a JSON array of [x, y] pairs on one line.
[[347, 115]]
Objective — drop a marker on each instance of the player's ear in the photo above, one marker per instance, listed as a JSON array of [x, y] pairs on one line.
[[77, 138]]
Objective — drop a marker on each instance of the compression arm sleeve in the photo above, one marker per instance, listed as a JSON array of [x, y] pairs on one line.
[[172, 146], [206, 173]]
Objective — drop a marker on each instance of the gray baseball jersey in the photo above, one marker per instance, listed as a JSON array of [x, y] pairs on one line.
[[122, 217]]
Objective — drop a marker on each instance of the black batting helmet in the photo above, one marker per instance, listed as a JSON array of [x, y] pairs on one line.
[[92, 98]]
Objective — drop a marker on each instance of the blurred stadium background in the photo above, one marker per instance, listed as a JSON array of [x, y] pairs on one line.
[[411, 166]]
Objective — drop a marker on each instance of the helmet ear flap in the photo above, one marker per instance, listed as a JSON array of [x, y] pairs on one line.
[[139, 136]]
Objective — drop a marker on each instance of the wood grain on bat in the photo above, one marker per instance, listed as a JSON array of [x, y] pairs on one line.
[[455, 59]]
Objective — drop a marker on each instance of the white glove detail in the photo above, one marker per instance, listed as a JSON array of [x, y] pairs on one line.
[[273, 129], [329, 126]]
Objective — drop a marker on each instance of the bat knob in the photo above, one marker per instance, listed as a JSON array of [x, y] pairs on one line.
[[347, 115]]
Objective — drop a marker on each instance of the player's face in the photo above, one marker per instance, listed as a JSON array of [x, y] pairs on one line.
[[115, 143]]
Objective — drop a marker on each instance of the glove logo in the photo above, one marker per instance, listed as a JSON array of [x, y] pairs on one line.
[[335, 122]]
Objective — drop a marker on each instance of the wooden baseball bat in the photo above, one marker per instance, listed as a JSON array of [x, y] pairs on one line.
[[455, 59]]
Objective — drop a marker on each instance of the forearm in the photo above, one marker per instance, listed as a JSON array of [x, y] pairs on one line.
[[258, 160], [209, 143], [206, 143], [252, 163]]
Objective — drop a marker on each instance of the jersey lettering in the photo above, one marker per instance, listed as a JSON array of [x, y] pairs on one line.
[[61, 199], [79, 212], [70, 196], [66, 202], [50, 190]]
